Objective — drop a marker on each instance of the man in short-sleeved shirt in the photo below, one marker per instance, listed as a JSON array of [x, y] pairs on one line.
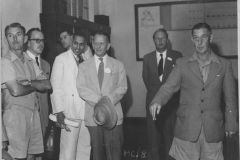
[[20, 103]]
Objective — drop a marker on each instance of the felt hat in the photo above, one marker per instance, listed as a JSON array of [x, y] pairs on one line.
[[104, 113]]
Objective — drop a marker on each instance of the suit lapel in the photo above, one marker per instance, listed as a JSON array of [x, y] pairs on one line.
[[72, 63], [214, 69], [167, 66], [153, 60], [193, 65], [93, 73], [108, 68], [44, 67]]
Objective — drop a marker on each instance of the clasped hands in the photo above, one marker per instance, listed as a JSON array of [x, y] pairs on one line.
[[154, 110]]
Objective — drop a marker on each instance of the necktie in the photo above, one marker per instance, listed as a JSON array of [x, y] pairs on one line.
[[80, 58], [36, 58], [160, 66], [100, 72]]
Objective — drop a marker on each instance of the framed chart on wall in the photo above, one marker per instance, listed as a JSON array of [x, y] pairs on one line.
[[179, 17]]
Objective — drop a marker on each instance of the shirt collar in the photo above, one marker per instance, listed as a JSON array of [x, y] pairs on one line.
[[212, 57], [31, 55], [74, 55], [164, 53], [14, 57], [97, 58]]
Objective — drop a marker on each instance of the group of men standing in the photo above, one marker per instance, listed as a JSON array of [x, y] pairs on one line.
[[184, 117], [75, 89]]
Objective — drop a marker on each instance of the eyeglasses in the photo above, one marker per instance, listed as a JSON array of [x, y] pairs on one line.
[[38, 40]]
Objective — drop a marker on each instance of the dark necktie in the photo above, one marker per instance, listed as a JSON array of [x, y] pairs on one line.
[[160, 65], [36, 58], [80, 58], [100, 72]]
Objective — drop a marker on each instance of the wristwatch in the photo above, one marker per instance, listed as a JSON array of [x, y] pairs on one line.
[[29, 82]]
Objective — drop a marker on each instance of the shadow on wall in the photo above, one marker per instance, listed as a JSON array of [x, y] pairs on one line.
[[127, 99], [216, 49], [111, 52]]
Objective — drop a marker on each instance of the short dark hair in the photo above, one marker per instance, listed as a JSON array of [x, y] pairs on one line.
[[202, 25], [68, 30], [80, 34], [14, 25], [30, 31], [102, 33], [160, 30]]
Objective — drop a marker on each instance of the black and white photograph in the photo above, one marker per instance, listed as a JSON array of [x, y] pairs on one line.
[[119, 79]]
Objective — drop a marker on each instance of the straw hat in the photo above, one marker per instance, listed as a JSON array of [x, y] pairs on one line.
[[104, 113]]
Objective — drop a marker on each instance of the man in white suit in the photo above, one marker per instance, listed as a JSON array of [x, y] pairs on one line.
[[101, 76], [66, 103]]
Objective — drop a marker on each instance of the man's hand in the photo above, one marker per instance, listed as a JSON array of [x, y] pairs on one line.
[[5, 145], [155, 109], [24, 82], [41, 85], [60, 121]]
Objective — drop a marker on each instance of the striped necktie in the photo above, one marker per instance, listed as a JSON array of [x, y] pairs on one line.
[[100, 72]]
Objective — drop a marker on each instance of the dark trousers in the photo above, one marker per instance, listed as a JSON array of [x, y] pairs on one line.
[[168, 134], [106, 144], [160, 135], [154, 139]]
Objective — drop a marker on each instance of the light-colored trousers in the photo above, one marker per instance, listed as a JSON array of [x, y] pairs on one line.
[[199, 150], [75, 145]]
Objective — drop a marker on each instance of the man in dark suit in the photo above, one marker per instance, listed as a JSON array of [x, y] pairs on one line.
[[35, 46], [157, 65], [204, 79]]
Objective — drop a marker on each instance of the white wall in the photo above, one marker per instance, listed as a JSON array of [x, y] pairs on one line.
[[25, 12]]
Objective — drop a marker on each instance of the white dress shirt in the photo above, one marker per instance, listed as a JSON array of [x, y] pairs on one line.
[[38, 71], [31, 55]]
